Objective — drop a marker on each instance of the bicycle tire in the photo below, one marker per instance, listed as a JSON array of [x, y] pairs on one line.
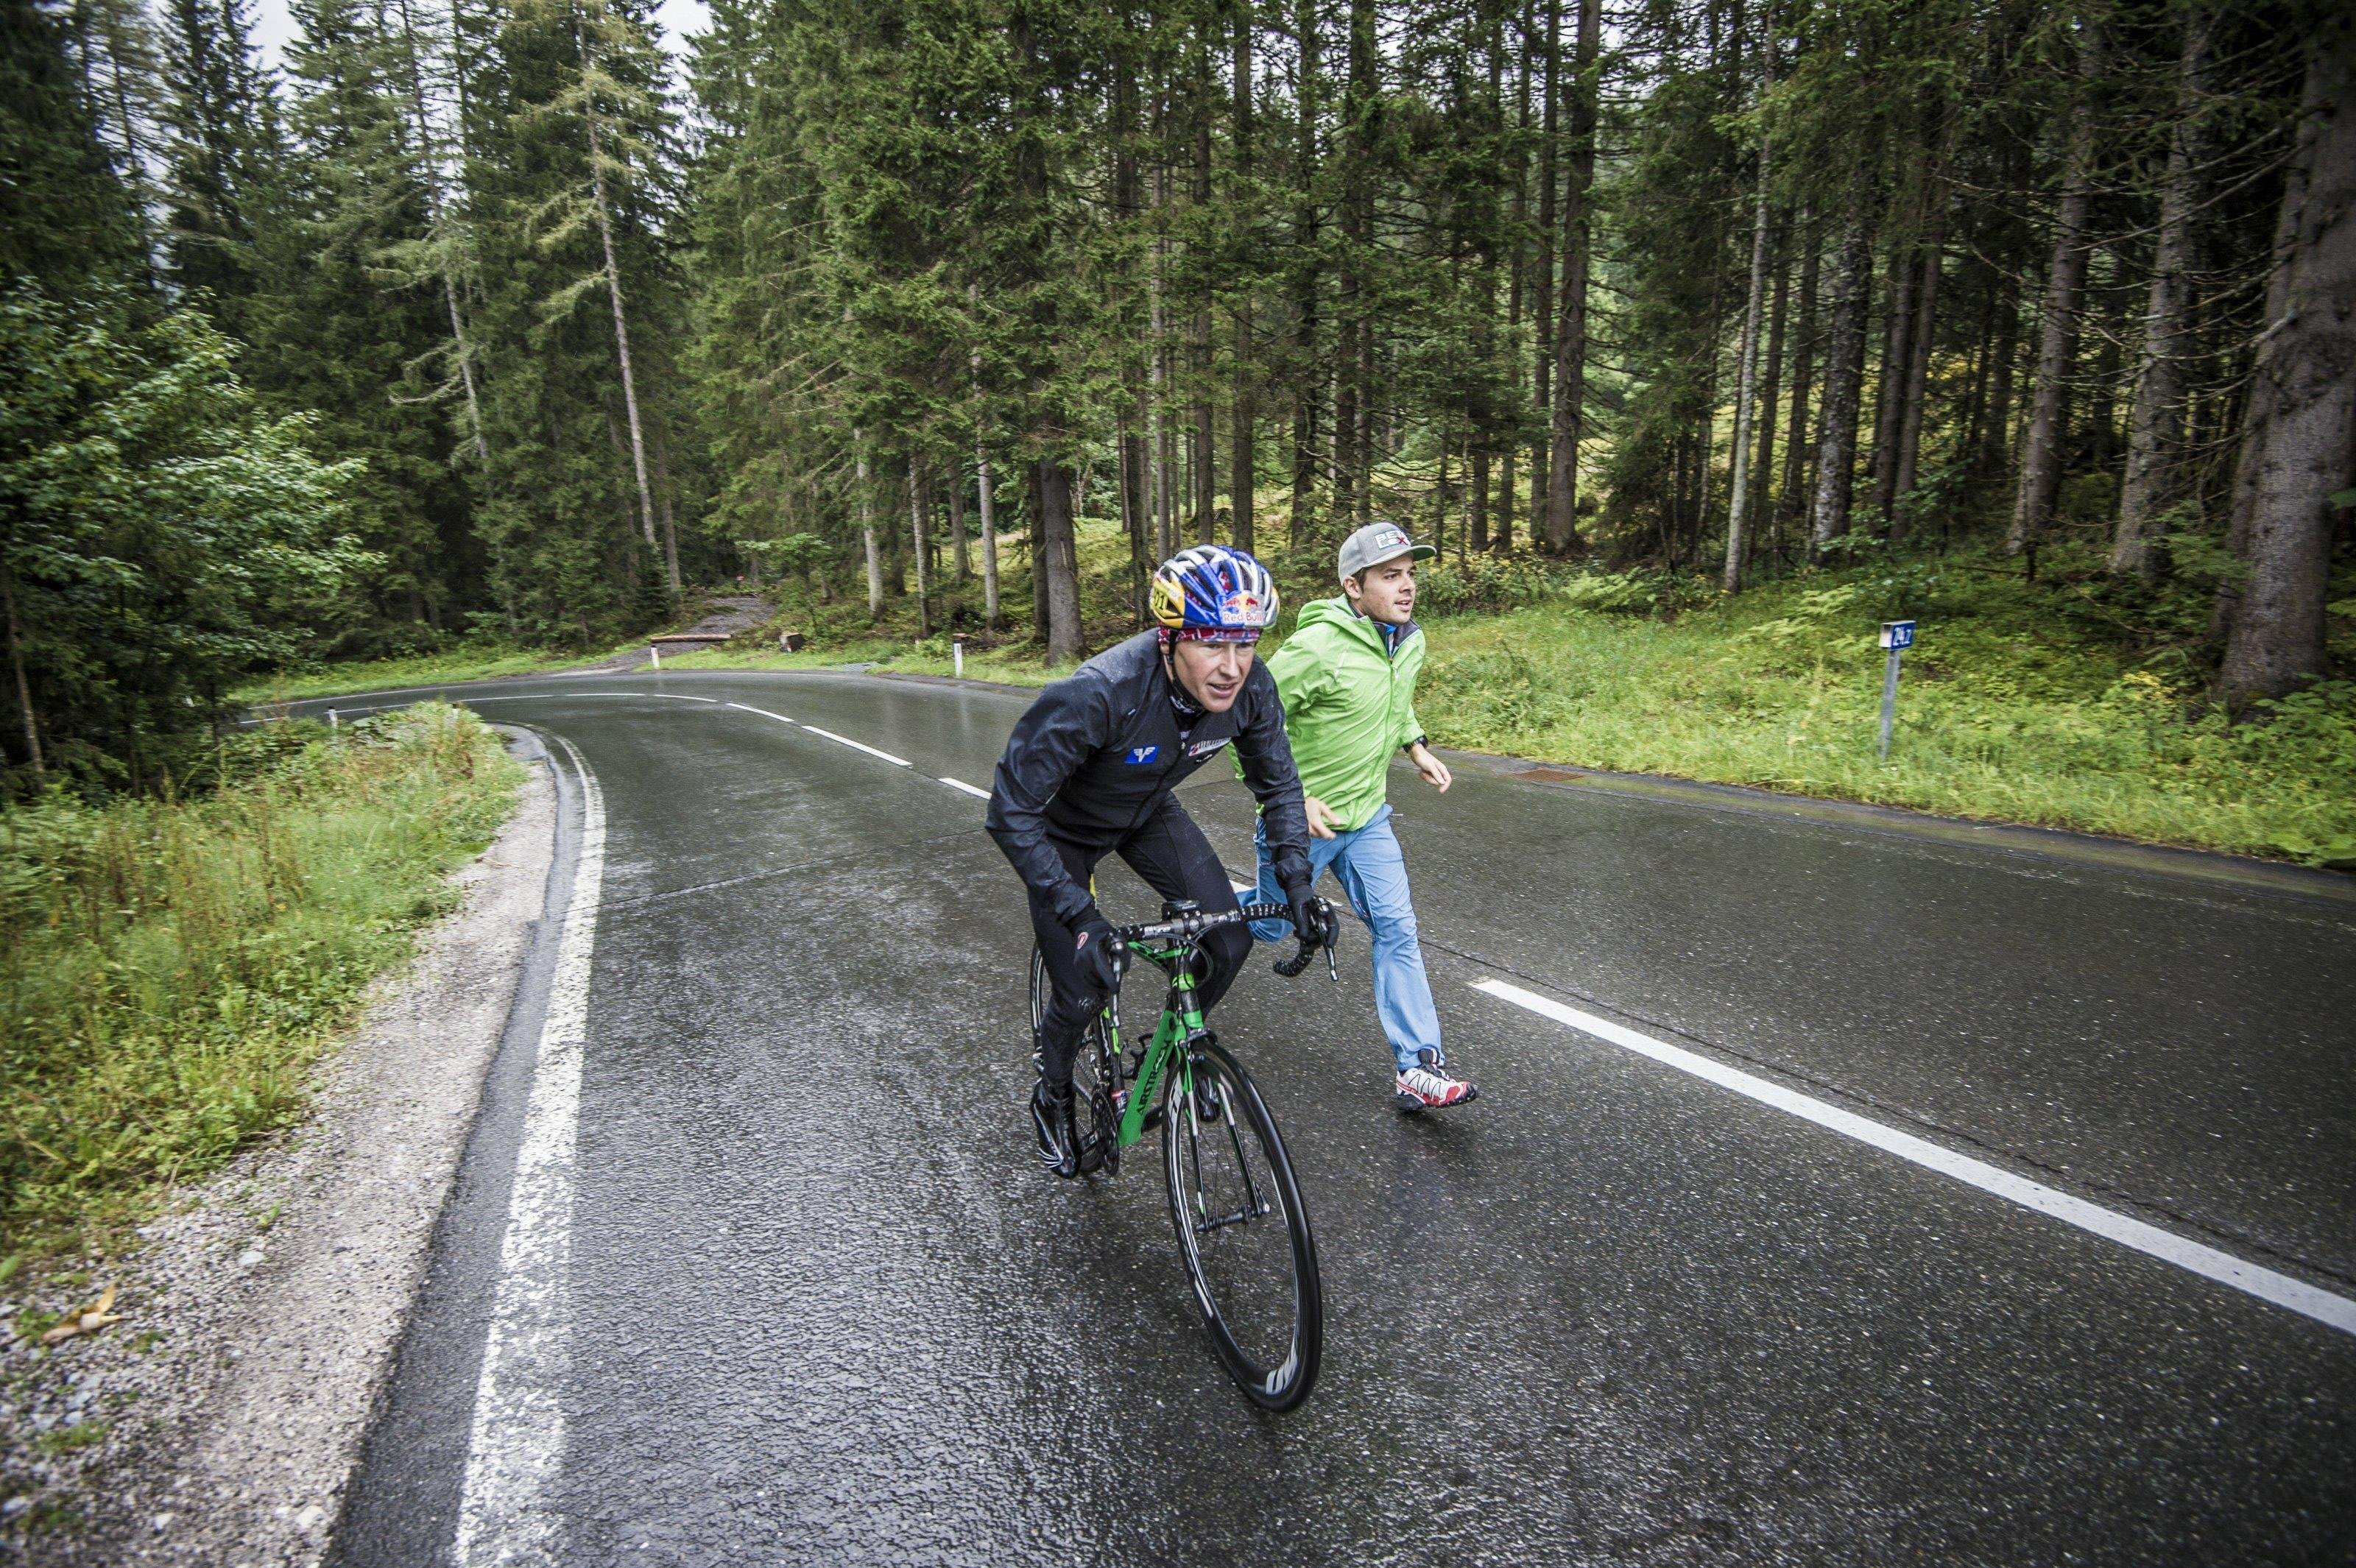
[[1100, 1125], [1254, 1274]]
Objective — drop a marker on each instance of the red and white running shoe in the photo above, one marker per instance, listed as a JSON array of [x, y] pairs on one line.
[[1427, 1086]]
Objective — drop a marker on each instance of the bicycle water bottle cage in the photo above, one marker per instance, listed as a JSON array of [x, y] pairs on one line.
[[1173, 908]]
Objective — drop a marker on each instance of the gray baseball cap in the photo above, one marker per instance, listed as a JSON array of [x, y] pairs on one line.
[[1377, 543]]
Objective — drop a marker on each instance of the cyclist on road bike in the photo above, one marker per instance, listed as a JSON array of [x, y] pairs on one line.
[[1089, 770]]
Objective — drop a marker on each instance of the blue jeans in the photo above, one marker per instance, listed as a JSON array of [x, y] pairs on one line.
[[1371, 870]]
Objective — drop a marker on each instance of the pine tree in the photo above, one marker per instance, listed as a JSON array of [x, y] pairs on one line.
[[222, 154]]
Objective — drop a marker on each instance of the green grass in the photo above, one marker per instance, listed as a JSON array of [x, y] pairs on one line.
[[66, 1439], [1993, 722], [473, 660], [172, 967]]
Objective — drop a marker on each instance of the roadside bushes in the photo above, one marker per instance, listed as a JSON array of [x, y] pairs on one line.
[[172, 966]]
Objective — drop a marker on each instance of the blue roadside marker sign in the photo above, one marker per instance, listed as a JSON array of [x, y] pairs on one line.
[[1897, 636]]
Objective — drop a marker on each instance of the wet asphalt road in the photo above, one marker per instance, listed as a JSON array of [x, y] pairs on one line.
[[823, 1309]]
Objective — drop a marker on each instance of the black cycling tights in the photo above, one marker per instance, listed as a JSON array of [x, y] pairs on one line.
[[1175, 860]]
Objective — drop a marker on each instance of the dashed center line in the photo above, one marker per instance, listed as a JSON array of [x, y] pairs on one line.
[[748, 707], [2280, 1289], [960, 784], [859, 746]]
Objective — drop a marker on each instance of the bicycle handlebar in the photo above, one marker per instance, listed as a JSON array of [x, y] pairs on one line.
[[1196, 923], [1188, 926]]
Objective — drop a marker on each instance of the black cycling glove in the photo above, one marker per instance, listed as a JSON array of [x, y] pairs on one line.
[[1093, 945], [1306, 925]]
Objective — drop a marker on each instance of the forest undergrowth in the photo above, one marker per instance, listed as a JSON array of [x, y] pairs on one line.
[[175, 965]]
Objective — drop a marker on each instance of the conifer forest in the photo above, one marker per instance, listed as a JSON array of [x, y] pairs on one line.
[[512, 318]]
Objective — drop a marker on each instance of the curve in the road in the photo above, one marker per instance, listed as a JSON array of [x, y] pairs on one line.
[[2210, 1262], [1608, 1364]]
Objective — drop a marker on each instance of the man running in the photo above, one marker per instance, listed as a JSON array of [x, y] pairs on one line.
[[1089, 770], [1347, 677]]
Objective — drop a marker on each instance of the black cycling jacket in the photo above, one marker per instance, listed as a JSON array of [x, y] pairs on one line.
[[1099, 750]]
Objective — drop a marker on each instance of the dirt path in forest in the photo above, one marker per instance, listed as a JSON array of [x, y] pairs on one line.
[[725, 616]]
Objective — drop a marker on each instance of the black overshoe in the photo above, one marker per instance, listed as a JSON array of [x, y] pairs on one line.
[[1057, 1129]]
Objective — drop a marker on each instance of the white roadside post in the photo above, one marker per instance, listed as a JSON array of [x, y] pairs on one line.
[[657, 653], [333, 723], [1897, 636], [957, 652]]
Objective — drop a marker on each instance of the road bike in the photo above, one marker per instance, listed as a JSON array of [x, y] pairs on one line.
[[1242, 1232]]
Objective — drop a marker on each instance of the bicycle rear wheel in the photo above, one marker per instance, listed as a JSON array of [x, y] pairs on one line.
[[1092, 1078], [1243, 1235]]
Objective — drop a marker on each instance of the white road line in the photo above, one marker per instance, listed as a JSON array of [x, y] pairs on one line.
[[859, 746], [518, 1431], [2335, 1311], [960, 784], [764, 712]]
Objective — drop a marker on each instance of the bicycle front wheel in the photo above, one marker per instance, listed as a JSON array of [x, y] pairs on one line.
[[1242, 1232]]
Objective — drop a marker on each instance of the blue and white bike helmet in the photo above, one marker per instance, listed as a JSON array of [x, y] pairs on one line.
[[1214, 593]]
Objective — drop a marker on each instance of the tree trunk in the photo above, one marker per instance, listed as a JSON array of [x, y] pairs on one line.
[[1035, 531], [1350, 426], [1570, 416], [1157, 424], [1770, 384], [621, 329], [990, 616], [1056, 559], [1133, 510], [1916, 390], [1794, 500], [917, 529], [867, 534], [1243, 462], [668, 507], [961, 558], [1996, 431], [1206, 478], [1889, 386], [2156, 428], [1305, 292], [1477, 505], [2065, 285], [2288, 216], [1542, 317], [2299, 443], [1518, 274], [17, 668], [1844, 366], [1746, 375], [1364, 442]]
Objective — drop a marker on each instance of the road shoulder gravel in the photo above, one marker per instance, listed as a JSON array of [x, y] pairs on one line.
[[221, 1421]]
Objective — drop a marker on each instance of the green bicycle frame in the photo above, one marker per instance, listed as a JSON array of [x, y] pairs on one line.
[[1180, 1022]]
